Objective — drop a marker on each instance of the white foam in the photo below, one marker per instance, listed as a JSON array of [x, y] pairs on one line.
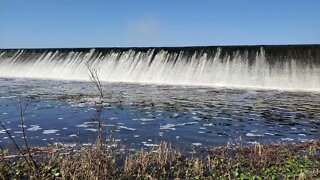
[[173, 126], [270, 134], [82, 125], [91, 129], [34, 128], [146, 119], [253, 135], [252, 142], [168, 127], [150, 145], [197, 144], [50, 131], [127, 128]]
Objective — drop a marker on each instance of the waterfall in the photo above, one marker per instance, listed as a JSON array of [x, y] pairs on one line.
[[289, 68]]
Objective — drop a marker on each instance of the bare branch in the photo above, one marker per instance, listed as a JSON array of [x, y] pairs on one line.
[[95, 79], [15, 143], [98, 106], [23, 108]]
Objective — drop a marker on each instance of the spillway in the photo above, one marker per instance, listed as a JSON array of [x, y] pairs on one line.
[[290, 67]]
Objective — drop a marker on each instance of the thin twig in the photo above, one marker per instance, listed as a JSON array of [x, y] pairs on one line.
[[96, 80], [15, 143], [22, 119], [98, 105]]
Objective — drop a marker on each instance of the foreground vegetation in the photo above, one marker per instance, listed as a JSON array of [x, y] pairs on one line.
[[164, 162]]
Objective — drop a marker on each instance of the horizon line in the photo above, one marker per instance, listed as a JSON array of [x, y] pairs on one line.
[[155, 47]]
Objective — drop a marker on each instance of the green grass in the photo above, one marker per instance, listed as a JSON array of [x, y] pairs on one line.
[[256, 162]]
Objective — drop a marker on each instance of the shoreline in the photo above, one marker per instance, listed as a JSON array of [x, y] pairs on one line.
[[111, 161]]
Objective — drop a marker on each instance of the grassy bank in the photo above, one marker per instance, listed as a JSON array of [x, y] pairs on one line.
[[278, 161]]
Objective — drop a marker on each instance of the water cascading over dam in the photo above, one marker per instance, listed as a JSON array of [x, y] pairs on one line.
[[294, 67]]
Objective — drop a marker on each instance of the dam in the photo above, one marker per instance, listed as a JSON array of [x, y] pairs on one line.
[[287, 67]]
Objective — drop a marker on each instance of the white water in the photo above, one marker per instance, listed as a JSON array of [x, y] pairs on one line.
[[138, 67]]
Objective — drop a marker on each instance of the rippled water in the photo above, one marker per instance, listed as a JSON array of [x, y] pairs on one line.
[[142, 115]]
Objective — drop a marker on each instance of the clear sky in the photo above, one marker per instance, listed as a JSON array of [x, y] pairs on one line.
[[115, 23]]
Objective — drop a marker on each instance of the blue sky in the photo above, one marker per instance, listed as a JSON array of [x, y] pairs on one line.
[[122, 23]]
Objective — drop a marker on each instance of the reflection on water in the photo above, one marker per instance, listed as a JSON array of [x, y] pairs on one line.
[[143, 115]]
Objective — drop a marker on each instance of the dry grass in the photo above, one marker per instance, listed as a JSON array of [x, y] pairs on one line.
[[108, 162]]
